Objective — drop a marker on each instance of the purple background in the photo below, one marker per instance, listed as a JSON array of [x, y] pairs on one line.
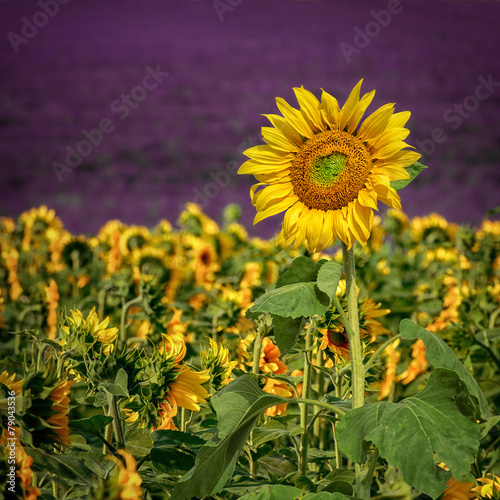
[[222, 75]]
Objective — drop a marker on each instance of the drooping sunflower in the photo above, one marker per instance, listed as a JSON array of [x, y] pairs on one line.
[[326, 170]]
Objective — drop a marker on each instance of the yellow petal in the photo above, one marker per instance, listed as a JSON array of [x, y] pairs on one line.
[[399, 119], [255, 167], [294, 117], [309, 107], [269, 194], [368, 198], [267, 154], [285, 128], [276, 208], [375, 124], [360, 110], [330, 107], [390, 149], [350, 106], [277, 140]]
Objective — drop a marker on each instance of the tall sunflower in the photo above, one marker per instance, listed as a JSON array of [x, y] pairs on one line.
[[326, 170]]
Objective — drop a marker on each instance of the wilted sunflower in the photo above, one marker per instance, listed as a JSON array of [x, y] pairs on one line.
[[326, 170]]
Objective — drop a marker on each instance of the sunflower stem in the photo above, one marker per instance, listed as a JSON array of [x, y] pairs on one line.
[[117, 425], [125, 307], [379, 351], [304, 410], [351, 325], [257, 347]]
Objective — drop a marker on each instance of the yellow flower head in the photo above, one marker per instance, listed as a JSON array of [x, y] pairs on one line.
[[216, 362], [59, 420], [133, 237], [127, 482], [90, 330], [277, 388], [326, 169], [457, 490], [490, 487]]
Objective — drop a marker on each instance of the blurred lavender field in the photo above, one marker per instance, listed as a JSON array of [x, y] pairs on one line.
[[224, 69]]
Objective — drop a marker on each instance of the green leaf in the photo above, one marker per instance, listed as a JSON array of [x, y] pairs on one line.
[[282, 492], [440, 355], [413, 170], [270, 431], [169, 460], [166, 437], [286, 332], [302, 270], [92, 425], [433, 426], [63, 466], [293, 301], [238, 406], [328, 277], [120, 386]]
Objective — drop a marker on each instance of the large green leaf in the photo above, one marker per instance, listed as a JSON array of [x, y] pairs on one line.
[[238, 407], [282, 492], [328, 277], [91, 425], [293, 301], [270, 431], [413, 171], [440, 355], [63, 466], [286, 332], [302, 270], [417, 433]]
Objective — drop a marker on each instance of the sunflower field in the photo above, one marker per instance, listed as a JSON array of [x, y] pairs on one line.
[[193, 361]]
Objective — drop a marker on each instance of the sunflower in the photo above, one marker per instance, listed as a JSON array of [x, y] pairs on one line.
[[458, 490], [59, 420], [89, 331], [52, 300], [490, 487], [216, 362], [128, 481], [326, 170]]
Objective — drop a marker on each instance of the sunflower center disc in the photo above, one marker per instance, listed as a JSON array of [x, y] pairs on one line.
[[329, 170], [325, 171]]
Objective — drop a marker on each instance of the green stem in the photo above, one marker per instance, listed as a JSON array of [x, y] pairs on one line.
[[365, 485], [357, 369], [304, 410], [358, 376], [106, 440], [257, 347], [319, 424], [327, 406], [338, 393], [117, 425], [125, 308], [379, 351], [183, 419], [142, 460]]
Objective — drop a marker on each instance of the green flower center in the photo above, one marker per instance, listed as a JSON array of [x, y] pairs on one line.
[[326, 171]]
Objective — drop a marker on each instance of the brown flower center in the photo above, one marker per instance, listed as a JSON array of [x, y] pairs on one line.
[[329, 170]]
